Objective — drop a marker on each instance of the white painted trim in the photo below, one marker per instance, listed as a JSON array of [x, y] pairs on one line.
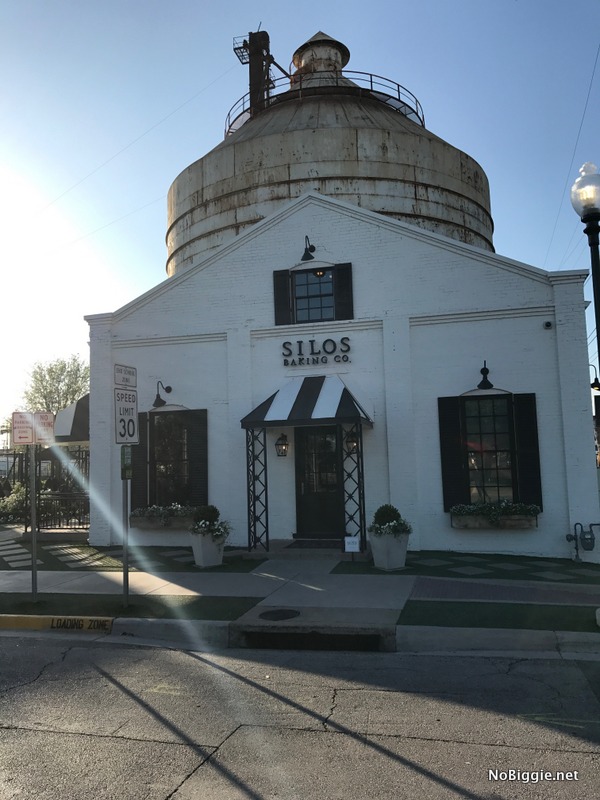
[[477, 316], [169, 340], [332, 326]]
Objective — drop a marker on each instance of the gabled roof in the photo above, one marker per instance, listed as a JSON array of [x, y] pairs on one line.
[[360, 215]]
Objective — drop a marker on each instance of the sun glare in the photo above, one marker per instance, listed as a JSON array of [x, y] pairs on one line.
[[51, 279]]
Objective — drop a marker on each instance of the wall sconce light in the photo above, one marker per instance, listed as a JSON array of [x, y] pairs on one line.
[[308, 250], [282, 445], [158, 401], [485, 384], [595, 385], [352, 442]]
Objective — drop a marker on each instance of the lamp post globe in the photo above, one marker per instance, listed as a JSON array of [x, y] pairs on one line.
[[585, 192], [585, 198]]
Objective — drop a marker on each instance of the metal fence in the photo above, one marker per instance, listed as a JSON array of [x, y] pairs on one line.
[[62, 476]]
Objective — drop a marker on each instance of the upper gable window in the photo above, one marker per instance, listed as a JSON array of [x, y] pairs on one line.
[[312, 294], [319, 294]]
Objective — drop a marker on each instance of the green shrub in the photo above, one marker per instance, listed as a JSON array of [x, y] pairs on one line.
[[206, 523], [14, 507], [387, 521], [208, 514], [385, 514]]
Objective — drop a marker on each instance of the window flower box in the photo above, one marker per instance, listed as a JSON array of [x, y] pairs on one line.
[[157, 524], [504, 515], [157, 518], [479, 522]]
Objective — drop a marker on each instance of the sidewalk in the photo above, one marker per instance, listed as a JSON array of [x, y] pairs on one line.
[[312, 599]]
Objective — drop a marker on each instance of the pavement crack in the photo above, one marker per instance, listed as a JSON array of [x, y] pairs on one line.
[[513, 663], [205, 760], [367, 736], [120, 727], [553, 692], [325, 719], [4, 726], [30, 681]]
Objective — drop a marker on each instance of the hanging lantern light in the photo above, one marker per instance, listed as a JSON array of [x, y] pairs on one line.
[[282, 445]]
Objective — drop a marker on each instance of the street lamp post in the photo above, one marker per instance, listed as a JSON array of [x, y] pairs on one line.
[[585, 197]]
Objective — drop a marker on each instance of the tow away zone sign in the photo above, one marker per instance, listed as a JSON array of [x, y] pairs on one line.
[[126, 416]]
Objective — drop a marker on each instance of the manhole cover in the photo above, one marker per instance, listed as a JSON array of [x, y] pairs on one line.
[[279, 614]]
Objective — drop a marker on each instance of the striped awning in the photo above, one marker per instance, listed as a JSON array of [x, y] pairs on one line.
[[72, 424], [319, 400]]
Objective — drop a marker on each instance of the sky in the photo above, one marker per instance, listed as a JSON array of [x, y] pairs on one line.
[[105, 102]]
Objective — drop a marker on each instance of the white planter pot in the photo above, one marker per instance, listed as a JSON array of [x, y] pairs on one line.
[[389, 552], [207, 552]]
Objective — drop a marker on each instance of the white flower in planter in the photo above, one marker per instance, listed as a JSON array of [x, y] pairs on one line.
[[389, 538], [208, 536]]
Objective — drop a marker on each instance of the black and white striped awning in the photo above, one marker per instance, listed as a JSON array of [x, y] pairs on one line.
[[319, 400]]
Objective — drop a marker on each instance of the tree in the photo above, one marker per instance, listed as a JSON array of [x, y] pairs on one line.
[[56, 384]]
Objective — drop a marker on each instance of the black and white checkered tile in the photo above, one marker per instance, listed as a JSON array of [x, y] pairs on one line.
[[473, 566], [15, 555]]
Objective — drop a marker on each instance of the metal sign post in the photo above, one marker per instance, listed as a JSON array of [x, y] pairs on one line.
[[126, 433], [33, 506], [24, 433], [126, 470]]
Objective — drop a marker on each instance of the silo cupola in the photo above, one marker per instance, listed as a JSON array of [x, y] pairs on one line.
[[322, 128], [321, 53]]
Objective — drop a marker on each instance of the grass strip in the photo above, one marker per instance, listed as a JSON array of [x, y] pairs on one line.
[[143, 606], [521, 616]]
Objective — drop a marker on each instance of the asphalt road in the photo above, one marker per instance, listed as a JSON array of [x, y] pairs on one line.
[[102, 721]]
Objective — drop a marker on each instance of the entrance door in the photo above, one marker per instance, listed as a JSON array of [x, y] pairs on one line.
[[319, 497]]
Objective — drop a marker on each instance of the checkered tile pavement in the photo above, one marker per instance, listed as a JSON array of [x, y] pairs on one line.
[[55, 556], [522, 568], [14, 555]]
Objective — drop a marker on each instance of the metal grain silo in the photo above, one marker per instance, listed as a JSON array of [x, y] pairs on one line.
[[352, 135]]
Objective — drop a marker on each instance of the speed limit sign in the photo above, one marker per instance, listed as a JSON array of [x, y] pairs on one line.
[[126, 417]]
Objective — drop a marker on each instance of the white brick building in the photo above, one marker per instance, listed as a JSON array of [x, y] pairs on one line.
[[363, 357]]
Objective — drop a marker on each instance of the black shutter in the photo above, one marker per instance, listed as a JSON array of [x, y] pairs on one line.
[[139, 458], [529, 483], [344, 305], [455, 476], [281, 293], [197, 441]]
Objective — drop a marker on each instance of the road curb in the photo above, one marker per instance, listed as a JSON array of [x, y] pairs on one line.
[[193, 632], [428, 639], [221, 634], [59, 623]]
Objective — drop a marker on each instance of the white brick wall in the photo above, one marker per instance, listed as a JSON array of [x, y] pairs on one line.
[[428, 311]]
